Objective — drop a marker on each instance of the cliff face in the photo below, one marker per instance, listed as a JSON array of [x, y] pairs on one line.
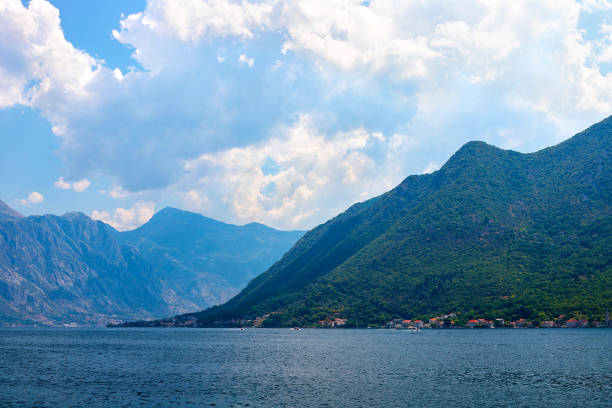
[[6, 211], [72, 269]]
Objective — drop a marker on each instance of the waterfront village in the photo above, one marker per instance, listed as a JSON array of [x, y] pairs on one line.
[[446, 321], [449, 321]]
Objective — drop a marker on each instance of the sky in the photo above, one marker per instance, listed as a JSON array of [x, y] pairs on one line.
[[279, 112]]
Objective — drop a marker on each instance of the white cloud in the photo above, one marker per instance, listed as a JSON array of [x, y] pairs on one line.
[[61, 184], [605, 44], [276, 66], [78, 186], [117, 192], [39, 67], [313, 176], [125, 219], [243, 59], [508, 45], [431, 167], [353, 36], [81, 185], [191, 21], [33, 198], [596, 5], [385, 88]]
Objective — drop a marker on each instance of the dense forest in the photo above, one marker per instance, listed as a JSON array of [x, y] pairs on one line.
[[493, 233]]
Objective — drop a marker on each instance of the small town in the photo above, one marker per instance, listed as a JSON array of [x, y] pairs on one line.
[[449, 321], [446, 321]]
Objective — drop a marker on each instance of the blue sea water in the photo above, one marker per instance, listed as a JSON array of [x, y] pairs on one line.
[[307, 368]]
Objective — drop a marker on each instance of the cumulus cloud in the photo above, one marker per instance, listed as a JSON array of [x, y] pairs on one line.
[[605, 44], [115, 192], [33, 198], [243, 59], [78, 186], [196, 200], [39, 67], [190, 21], [294, 177], [124, 219], [596, 5], [412, 81], [61, 184], [81, 185]]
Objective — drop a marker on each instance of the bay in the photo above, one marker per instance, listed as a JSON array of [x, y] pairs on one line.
[[305, 368]]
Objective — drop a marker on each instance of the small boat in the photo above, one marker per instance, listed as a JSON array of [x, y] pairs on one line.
[[295, 328]]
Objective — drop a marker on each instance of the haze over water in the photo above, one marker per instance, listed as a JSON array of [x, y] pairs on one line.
[[314, 368]]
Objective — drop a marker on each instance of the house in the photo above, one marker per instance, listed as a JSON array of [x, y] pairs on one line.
[[583, 323], [336, 322], [418, 324], [571, 323], [480, 323], [547, 324], [523, 323], [395, 324]]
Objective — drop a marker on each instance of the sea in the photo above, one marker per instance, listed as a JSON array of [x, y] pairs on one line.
[[77, 367]]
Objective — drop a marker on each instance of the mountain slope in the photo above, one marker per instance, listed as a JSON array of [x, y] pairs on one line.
[[492, 233], [6, 211], [207, 261], [72, 269]]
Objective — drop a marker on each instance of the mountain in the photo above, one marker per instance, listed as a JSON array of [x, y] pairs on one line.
[[493, 233], [6, 211], [207, 261], [71, 269]]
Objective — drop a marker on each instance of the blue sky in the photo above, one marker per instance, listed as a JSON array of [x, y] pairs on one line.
[[282, 112]]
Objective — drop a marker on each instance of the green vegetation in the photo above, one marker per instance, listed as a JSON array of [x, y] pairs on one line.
[[493, 233]]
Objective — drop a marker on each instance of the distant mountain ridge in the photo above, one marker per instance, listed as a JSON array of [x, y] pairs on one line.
[[7, 211], [71, 269], [208, 259], [493, 233]]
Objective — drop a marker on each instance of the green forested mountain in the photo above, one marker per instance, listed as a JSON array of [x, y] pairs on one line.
[[493, 233]]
